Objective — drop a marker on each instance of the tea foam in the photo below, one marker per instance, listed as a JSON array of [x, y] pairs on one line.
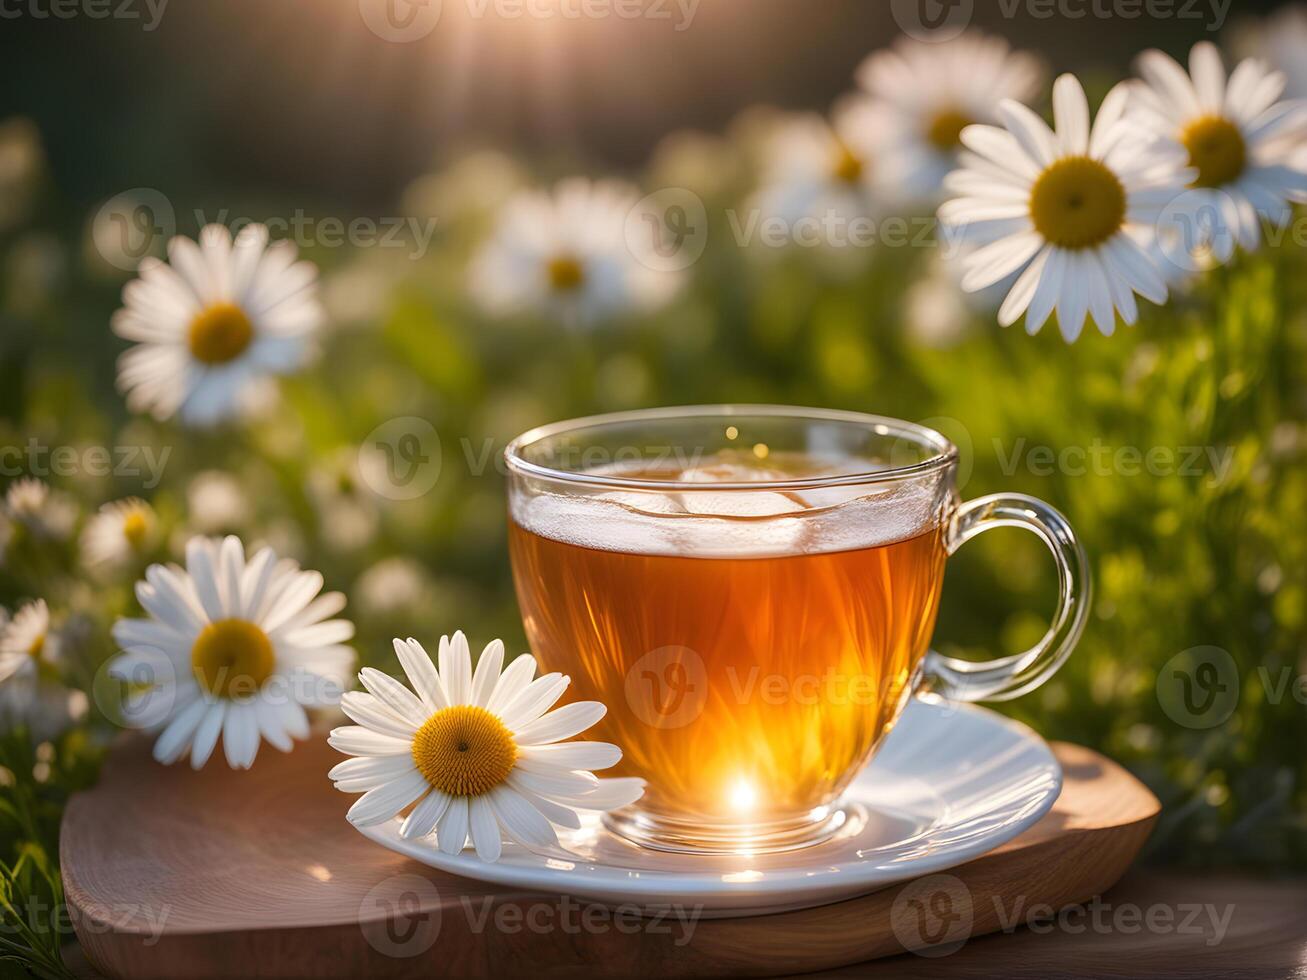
[[731, 523]]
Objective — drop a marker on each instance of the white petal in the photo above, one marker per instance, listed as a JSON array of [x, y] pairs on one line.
[[1023, 290], [1208, 75], [367, 710], [489, 666], [570, 755], [539, 696], [272, 725], [564, 722], [206, 735], [522, 821], [555, 783], [424, 817], [455, 660], [176, 737], [240, 735], [1071, 112], [369, 772], [553, 812], [381, 804], [512, 682], [395, 695], [612, 793], [484, 829], [357, 740], [1048, 290], [421, 673], [1030, 131], [1000, 259], [451, 831]]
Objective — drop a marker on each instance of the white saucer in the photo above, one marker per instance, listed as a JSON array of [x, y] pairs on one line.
[[949, 784]]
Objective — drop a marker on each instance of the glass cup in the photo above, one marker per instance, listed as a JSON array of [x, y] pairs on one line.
[[751, 590]]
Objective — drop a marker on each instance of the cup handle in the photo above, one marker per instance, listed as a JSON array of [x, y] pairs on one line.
[[1008, 677]]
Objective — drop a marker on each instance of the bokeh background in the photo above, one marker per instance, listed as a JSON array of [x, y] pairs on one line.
[[262, 110]]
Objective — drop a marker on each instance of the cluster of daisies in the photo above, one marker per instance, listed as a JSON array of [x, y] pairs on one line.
[[1178, 169], [234, 650]]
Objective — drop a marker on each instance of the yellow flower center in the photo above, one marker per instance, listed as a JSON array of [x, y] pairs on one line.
[[1216, 150], [220, 333], [846, 166], [945, 129], [464, 750], [565, 273], [38, 645], [1077, 203], [232, 658], [136, 527]]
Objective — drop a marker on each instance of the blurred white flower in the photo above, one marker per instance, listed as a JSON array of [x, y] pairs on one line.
[[234, 649], [120, 533], [348, 512], [26, 642], [214, 323], [391, 585], [1281, 41], [21, 163], [1074, 211], [567, 253], [28, 697], [474, 186], [43, 511], [936, 310], [921, 95], [819, 172], [1242, 142], [215, 502]]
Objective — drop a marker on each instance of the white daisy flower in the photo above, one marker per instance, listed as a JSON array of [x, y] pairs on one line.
[[26, 642], [392, 584], [28, 697], [1074, 210], [568, 254], [476, 752], [118, 534], [214, 323], [234, 649], [215, 502], [45, 512], [1281, 40], [819, 178], [922, 95], [1243, 142]]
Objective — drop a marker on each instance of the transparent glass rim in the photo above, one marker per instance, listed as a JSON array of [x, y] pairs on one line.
[[945, 453]]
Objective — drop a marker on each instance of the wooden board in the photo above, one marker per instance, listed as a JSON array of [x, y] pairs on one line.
[[177, 874]]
